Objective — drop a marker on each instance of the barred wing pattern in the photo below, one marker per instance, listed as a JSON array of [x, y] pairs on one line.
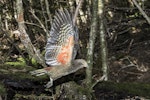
[[63, 36]]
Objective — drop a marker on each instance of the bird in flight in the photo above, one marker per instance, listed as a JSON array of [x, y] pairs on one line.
[[61, 48]]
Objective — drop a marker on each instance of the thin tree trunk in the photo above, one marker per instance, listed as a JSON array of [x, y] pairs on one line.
[[32, 51], [103, 40], [91, 46]]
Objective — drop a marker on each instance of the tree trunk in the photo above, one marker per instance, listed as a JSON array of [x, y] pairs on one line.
[[103, 40], [91, 47], [24, 37]]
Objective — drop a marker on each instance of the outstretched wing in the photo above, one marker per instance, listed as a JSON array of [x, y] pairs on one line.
[[63, 37]]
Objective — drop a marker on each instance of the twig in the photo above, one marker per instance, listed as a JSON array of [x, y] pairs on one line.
[[33, 24], [45, 19], [43, 27], [127, 66], [48, 11], [77, 11], [99, 80], [141, 10], [129, 47]]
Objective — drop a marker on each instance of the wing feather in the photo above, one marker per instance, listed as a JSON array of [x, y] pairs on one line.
[[62, 39]]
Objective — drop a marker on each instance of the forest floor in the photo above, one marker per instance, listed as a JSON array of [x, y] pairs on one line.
[[128, 63]]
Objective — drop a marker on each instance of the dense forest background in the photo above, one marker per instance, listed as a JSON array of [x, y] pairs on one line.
[[127, 35]]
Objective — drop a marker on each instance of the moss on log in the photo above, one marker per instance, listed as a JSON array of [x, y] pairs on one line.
[[20, 79], [140, 89]]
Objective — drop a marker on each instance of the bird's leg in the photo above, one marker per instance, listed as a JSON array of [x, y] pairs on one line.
[[50, 83]]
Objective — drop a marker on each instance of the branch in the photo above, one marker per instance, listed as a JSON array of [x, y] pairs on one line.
[[45, 18], [33, 24], [77, 11], [141, 10], [43, 27], [99, 80], [48, 11]]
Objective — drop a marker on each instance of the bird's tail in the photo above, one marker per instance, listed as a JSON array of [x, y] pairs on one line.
[[38, 72]]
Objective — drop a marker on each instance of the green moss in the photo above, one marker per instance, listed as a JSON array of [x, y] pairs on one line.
[[2, 89], [15, 63], [128, 88], [34, 62], [32, 97], [20, 62], [20, 59]]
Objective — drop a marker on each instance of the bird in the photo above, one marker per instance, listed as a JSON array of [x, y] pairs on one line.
[[61, 48]]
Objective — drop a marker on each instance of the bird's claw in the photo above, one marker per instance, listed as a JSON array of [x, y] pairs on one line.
[[50, 83]]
